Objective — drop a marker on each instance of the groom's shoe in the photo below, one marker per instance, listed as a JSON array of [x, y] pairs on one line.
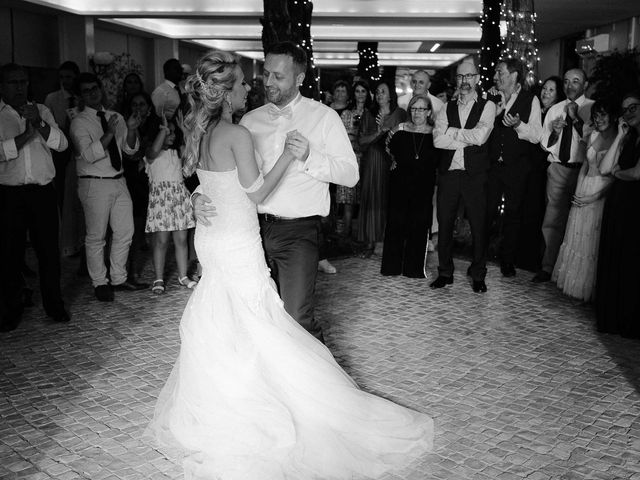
[[441, 282], [508, 269]]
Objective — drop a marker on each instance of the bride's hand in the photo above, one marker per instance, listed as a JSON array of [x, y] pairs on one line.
[[202, 210]]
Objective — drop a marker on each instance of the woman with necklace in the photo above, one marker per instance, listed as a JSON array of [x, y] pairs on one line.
[[350, 196], [411, 184], [575, 269], [374, 177]]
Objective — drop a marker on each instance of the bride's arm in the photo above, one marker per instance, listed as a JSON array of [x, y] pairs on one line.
[[248, 172]]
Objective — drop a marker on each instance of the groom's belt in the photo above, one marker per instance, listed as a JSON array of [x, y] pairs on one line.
[[269, 218]]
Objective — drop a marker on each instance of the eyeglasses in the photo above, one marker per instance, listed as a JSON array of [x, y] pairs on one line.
[[633, 108], [419, 109], [89, 91], [466, 76]]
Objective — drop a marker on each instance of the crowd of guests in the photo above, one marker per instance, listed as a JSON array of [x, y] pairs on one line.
[[554, 177], [543, 175]]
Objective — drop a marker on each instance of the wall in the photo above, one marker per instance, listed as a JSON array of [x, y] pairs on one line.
[[29, 38]]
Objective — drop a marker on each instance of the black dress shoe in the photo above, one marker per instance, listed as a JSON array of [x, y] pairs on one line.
[[479, 286], [129, 286], [61, 316], [508, 270], [104, 293], [541, 276], [10, 323], [441, 282]]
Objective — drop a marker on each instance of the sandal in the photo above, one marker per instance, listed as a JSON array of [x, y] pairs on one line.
[[187, 282], [158, 287]]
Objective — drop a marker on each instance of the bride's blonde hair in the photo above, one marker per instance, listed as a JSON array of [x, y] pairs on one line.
[[206, 90]]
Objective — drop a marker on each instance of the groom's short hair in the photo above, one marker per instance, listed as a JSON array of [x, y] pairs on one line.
[[298, 55]]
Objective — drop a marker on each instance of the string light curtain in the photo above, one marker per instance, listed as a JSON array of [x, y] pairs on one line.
[[491, 42], [520, 40], [368, 67]]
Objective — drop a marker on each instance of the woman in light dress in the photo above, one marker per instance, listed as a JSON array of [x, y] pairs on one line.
[[252, 395], [575, 269]]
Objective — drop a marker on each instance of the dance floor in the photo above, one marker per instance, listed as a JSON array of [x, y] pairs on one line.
[[519, 383]]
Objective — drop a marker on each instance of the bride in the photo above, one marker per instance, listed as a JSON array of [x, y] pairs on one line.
[[252, 395]]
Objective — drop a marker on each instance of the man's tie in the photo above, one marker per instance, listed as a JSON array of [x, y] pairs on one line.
[[114, 152], [275, 113], [565, 141]]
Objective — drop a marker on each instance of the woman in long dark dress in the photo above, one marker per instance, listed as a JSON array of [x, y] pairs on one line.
[[530, 241], [376, 162], [618, 279], [411, 184]]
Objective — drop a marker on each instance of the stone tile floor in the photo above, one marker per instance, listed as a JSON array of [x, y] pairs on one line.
[[520, 384]]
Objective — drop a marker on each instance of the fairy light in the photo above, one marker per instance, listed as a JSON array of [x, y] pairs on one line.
[[369, 64], [520, 40], [491, 43], [303, 32]]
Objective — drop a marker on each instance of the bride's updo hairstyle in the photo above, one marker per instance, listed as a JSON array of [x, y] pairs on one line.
[[206, 89]]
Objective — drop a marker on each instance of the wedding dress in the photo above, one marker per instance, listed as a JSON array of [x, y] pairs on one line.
[[252, 395]]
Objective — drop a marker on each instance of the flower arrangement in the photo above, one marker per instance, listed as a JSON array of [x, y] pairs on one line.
[[111, 70]]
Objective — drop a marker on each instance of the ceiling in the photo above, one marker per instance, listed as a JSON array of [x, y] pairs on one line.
[[430, 34]]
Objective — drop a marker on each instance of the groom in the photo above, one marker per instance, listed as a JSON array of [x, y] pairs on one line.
[[290, 216]]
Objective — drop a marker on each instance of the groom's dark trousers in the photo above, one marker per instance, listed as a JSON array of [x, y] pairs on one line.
[[291, 248]]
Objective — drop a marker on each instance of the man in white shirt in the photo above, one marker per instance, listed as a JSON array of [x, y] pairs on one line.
[[565, 124], [167, 96], [290, 216], [28, 133], [99, 137], [462, 129], [516, 130], [420, 83]]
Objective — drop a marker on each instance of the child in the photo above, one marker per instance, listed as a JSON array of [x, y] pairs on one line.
[[169, 210]]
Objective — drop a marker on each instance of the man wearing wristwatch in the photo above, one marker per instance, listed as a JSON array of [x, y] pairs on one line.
[[28, 133]]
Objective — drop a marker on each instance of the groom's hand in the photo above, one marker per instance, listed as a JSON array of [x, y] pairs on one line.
[[298, 145], [202, 210]]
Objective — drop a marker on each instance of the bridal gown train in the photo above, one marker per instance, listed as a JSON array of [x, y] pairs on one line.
[[252, 395]]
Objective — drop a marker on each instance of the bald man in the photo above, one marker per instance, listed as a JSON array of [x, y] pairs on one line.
[[566, 123], [420, 83]]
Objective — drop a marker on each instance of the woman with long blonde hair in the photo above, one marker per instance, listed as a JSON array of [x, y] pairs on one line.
[[253, 395]]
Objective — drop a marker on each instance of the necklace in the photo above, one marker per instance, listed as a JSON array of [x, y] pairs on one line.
[[417, 149]]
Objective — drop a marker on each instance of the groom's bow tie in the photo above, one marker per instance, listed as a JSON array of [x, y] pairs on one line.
[[275, 112]]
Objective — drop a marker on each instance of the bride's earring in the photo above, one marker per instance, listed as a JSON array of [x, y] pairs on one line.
[[228, 102]]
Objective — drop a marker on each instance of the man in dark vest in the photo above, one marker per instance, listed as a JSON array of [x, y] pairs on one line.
[[516, 130], [462, 130]]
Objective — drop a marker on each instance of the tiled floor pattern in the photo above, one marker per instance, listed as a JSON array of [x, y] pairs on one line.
[[518, 381]]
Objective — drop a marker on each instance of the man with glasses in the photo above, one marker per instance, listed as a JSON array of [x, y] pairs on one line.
[[566, 123], [516, 129], [99, 137], [462, 129], [28, 133]]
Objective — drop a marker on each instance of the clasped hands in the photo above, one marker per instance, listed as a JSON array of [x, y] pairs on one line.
[[297, 145]]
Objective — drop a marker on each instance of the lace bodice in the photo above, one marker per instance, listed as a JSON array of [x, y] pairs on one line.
[[231, 244]]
